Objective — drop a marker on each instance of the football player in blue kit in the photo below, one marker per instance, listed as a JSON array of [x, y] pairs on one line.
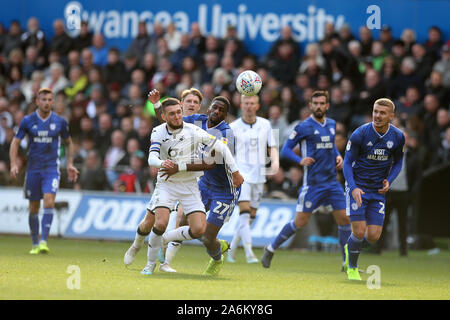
[[373, 159], [216, 185], [45, 130], [320, 159]]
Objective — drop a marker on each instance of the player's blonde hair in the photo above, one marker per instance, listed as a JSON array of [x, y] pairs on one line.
[[192, 91], [385, 102], [44, 91]]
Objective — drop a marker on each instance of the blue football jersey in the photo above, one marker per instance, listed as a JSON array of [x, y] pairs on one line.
[[371, 157], [316, 141], [220, 177], [44, 140]]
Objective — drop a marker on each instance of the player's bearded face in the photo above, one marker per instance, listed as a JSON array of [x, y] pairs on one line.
[[319, 107], [174, 116]]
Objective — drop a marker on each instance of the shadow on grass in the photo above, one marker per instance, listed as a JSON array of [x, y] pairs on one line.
[[177, 275]]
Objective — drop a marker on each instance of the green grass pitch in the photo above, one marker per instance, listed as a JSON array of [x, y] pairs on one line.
[[294, 275]]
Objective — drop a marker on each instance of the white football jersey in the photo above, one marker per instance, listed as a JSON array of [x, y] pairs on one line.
[[180, 146], [251, 143]]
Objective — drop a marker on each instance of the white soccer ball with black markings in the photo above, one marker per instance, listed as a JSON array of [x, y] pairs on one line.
[[248, 83]]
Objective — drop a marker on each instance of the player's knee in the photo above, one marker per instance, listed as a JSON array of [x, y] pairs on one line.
[[197, 231], [301, 221], [359, 233], [373, 237]]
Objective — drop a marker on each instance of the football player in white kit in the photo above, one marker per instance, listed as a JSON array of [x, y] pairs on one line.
[[254, 141], [191, 100], [175, 143]]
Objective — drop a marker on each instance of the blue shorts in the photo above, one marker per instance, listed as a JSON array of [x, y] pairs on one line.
[[38, 183], [371, 210], [219, 204], [314, 196]]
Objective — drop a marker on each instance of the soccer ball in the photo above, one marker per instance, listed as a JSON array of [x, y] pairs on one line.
[[248, 83]]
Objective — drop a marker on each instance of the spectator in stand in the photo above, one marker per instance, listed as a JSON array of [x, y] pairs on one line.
[[185, 49], [104, 133], [312, 52], [213, 45], [143, 135], [435, 86], [345, 35], [386, 37], [99, 50], [211, 62], [87, 60], [135, 178], [141, 42], [31, 87], [355, 67], [158, 33], [61, 41], [198, 40], [442, 156], [56, 81], [149, 66], [131, 63], [410, 105], [437, 133], [429, 118], [31, 62], [443, 65], [84, 39], [277, 184], [409, 39], [286, 37], [92, 176], [78, 82], [378, 54], [388, 72], [373, 89], [115, 69], [115, 155], [405, 79], [279, 123], [339, 110], [434, 43], [423, 61], [284, 64], [399, 51], [13, 39], [137, 79], [173, 37], [366, 40], [34, 37]]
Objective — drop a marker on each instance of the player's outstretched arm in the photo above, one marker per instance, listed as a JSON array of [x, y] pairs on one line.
[[13, 152], [274, 160], [72, 172]]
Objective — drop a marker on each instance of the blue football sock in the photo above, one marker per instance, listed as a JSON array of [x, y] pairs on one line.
[[354, 248], [288, 230], [46, 223], [217, 255], [33, 221], [365, 243], [344, 232]]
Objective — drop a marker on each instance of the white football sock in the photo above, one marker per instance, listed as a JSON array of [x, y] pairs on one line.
[[171, 251], [178, 234], [154, 244]]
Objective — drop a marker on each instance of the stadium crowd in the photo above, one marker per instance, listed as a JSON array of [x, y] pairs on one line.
[[102, 91]]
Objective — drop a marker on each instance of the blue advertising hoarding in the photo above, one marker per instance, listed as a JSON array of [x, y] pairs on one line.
[[258, 23], [114, 217]]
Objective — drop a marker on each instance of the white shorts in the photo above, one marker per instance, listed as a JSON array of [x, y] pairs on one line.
[[251, 192], [168, 193]]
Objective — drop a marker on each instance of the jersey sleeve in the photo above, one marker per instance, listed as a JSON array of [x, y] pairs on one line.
[[300, 132], [351, 154], [189, 119], [397, 160], [64, 129], [155, 146], [271, 141], [23, 128]]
